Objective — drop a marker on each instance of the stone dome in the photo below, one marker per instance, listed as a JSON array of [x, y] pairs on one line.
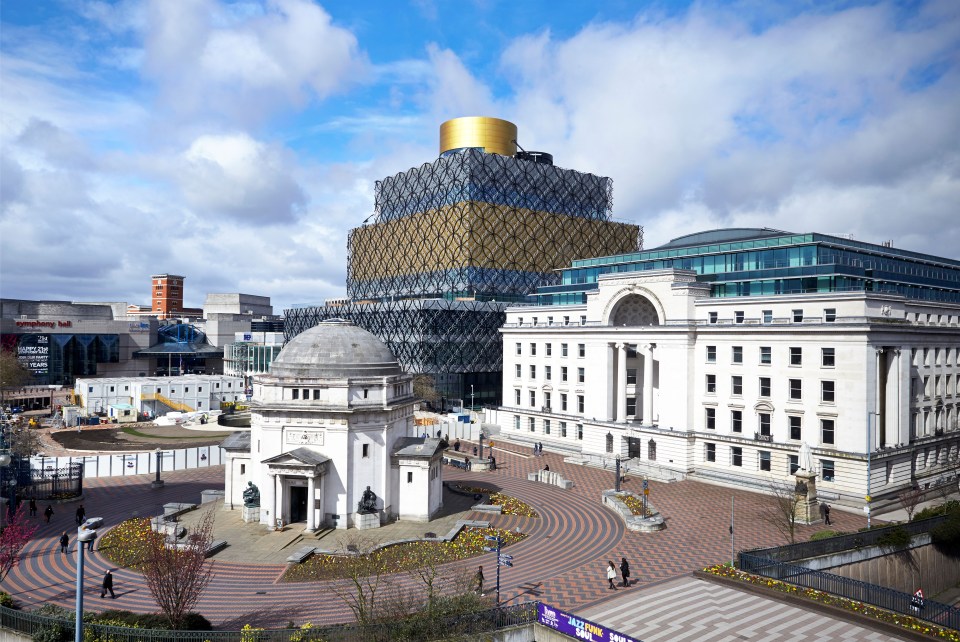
[[335, 348]]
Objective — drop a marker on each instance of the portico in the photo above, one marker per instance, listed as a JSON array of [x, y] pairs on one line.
[[285, 495]]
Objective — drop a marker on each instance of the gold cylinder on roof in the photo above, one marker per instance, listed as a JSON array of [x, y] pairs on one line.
[[494, 135]]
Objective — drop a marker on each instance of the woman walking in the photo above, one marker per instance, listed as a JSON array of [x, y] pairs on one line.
[[611, 574], [625, 571]]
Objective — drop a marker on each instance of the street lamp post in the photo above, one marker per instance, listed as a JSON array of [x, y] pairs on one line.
[[158, 483], [83, 536], [471, 398], [616, 483], [4, 462]]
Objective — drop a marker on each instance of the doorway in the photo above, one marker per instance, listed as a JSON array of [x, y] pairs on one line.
[[298, 504]]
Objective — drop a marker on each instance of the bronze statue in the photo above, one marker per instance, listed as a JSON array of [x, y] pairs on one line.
[[251, 496], [368, 502]]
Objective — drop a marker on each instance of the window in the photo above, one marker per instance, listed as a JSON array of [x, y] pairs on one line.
[[795, 422], [199, 388], [533, 398], [764, 386], [828, 357], [580, 432], [736, 420], [580, 404], [827, 431], [548, 372], [711, 384], [710, 452], [766, 355], [366, 393], [566, 320], [581, 375], [827, 391], [711, 354], [296, 393], [546, 426], [316, 395], [533, 349], [765, 460], [549, 348], [519, 374], [631, 376], [365, 450], [768, 316], [738, 316], [534, 320], [563, 429], [609, 443], [712, 317], [185, 389], [798, 316], [90, 389], [563, 373], [631, 406], [516, 422], [517, 397], [737, 354], [830, 315], [519, 350], [763, 419], [711, 416], [409, 477], [796, 389], [581, 350], [531, 424], [826, 470], [563, 349], [583, 319], [736, 385], [533, 372], [547, 396], [796, 356], [736, 456], [563, 401], [794, 464]]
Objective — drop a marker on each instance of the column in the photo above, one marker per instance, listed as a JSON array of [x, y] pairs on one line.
[[648, 384], [610, 413], [277, 507], [880, 416], [268, 502], [622, 382], [311, 503]]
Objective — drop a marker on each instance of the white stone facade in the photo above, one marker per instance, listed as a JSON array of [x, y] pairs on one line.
[[728, 389]]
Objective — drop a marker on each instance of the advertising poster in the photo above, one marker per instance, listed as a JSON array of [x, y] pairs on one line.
[[33, 352], [578, 628]]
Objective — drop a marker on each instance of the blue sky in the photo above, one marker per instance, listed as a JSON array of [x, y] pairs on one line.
[[237, 143]]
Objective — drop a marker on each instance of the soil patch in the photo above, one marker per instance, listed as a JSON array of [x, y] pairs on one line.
[[147, 437]]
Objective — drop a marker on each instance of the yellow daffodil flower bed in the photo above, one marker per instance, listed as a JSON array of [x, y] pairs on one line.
[[401, 557], [510, 505], [906, 621], [635, 504], [126, 543]]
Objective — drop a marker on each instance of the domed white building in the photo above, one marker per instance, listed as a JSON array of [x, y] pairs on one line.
[[333, 416]]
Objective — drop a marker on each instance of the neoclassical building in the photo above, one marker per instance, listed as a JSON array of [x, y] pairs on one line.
[[332, 417], [694, 362]]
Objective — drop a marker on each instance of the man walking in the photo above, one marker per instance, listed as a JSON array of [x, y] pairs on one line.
[[48, 512], [107, 585], [479, 580], [64, 542], [81, 514], [33, 507]]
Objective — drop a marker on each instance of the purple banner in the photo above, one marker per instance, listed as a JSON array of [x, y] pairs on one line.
[[576, 627]]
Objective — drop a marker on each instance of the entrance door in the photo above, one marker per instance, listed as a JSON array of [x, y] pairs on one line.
[[634, 448], [298, 504]]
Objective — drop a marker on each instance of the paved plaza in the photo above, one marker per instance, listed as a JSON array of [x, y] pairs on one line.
[[561, 561]]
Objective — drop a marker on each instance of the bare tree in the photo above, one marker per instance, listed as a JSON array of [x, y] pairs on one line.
[[177, 574], [909, 499], [24, 442], [425, 387], [366, 579], [781, 511], [12, 373]]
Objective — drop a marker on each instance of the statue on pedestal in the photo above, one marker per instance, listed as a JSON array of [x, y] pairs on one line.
[[367, 503], [251, 496]]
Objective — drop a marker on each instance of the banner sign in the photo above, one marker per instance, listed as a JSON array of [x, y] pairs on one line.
[[33, 352], [579, 628]]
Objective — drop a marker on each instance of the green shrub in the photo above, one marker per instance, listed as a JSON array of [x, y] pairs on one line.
[[952, 506], [196, 622], [827, 534], [7, 600], [897, 537], [946, 536]]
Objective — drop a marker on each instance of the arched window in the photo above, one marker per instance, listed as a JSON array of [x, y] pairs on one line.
[[634, 310], [652, 450], [609, 443]]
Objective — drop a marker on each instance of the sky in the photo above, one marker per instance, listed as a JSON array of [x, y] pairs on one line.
[[237, 143]]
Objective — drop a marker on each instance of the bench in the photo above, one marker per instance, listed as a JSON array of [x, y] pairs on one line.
[[215, 547], [301, 554], [550, 477], [456, 463]]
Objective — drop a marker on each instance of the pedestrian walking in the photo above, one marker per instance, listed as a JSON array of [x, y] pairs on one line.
[[540, 448], [478, 578], [611, 574], [90, 541], [493, 462], [107, 585], [64, 542], [33, 507], [48, 512], [81, 514], [625, 571], [826, 512], [456, 445]]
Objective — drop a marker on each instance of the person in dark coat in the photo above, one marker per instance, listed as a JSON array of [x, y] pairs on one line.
[[64, 542], [478, 578], [81, 514], [33, 507], [107, 585], [48, 512], [625, 571]]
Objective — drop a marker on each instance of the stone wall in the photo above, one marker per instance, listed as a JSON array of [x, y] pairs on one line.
[[921, 567]]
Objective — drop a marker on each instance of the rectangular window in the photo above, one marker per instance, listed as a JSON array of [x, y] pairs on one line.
[[409, 477], [736, 456], [826, 431], [711, 417], [533, 398], [738, 316], [546, 426], [768, 316], [763, 419], [519, 349], [711, 354], [316, 395], [563, 429], [766, 355], [828, 357], [736, 420], [549, 348], [796, 356], [533, 372], [531, 424], [563, 349], [711, 384], [631, 406], [737, 354], [712, 316], [826, 470], [548, 372], [580, 404], [794, 464], [296, 393], [830, 315], [516, 422], [796, 390], [365, 450], [580, 432], [710, 452], [631, 376], [518, 370], [581, 350], [517, 396], [581, 375], [764, 386], [765, 460], [185, 389], [563, 401], [827, 391], [533, 349], [583, 319], [547, 396], [795, 422], [736, 385], [798, 316], [563, 373], [199, 388]]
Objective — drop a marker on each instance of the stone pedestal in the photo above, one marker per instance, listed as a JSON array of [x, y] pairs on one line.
[[807, 507], [479, 464], [363, 521], [251, 515], [156, 483]]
